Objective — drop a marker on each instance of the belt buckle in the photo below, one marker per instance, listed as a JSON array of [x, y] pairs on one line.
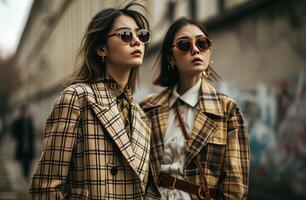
[[201, 192], [174, 181]]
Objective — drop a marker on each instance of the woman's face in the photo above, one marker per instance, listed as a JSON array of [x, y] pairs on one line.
[[120, 53], [195, 60]]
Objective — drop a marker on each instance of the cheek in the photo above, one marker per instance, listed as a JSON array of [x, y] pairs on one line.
[[179, 58], [118, 52], [182, 63], [207, 55]]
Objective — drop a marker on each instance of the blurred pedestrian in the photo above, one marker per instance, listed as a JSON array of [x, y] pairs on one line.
[[199, 147], [97, 138], [23, 133]]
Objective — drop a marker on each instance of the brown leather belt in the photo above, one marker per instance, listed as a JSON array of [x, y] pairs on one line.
[[171, 182]]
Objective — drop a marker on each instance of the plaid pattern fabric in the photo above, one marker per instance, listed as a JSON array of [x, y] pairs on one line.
[[123, 98], [87, 152], [219, 138]]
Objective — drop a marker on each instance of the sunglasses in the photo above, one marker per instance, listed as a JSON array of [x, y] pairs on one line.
[[126, 35], [186, 45]]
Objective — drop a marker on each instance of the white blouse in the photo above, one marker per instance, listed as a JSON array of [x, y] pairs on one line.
[[174, 158]]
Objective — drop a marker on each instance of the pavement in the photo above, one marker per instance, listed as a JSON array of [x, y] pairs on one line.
[[13, 186]]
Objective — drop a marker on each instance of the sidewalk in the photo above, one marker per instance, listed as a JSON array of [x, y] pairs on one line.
[[12, 184]]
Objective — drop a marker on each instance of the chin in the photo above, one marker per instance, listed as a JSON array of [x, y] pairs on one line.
[[198, 68], [135, 64]]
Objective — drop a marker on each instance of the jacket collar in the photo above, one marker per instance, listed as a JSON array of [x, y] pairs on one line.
[[209, 101]]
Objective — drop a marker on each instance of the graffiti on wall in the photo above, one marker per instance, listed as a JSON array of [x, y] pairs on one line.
[[276, 120]]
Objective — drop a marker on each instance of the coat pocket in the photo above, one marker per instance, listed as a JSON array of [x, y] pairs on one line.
[[212, 157]]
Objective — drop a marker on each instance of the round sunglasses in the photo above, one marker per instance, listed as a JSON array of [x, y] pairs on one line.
[[126, 35], [186, 45]]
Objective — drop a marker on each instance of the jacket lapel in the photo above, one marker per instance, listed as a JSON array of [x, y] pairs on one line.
[[204, 127], [108, 114], [140, 141]]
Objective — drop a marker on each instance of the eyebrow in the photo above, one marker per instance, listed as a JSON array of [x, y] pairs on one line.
[[187, 37], [123, 28]]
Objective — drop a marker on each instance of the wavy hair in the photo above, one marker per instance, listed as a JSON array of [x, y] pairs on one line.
[[90, 68]]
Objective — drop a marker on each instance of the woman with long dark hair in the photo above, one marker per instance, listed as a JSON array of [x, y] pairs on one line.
[[97, 138], [199, 144]]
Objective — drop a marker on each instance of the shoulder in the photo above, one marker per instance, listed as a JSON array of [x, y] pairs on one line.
[[153, 99], [231, 108], [216, 101], [226, 102], [79, 89], [76, 94]]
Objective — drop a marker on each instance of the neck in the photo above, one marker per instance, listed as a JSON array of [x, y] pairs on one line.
[[186, 82], [119, 74]]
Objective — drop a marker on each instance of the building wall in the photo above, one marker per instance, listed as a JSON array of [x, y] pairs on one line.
[[251, 46], [258, 48]]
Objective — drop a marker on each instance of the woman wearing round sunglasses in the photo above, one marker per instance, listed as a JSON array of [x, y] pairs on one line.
[[97, 138], [199, 145]]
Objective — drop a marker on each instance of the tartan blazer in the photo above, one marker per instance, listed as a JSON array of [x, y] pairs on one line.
[[87, 152], [219, 138]]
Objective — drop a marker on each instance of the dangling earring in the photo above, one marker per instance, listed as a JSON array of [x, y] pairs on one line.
[[206, 73], [103, 59], [170, 67]]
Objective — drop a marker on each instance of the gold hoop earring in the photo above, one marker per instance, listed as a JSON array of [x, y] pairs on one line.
[[206, 73]]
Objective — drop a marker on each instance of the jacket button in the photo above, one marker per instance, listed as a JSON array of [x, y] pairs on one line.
[[114, 170]]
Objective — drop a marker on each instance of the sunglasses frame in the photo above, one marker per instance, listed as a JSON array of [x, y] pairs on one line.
[[191, 41], [117, 33]]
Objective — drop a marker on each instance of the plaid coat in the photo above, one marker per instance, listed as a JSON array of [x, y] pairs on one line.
[[219, 138], [87, 153]]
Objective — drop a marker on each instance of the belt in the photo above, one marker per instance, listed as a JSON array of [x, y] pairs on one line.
[[171, 182]]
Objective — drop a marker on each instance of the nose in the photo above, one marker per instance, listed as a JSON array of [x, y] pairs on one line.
[[135, 41], [194, 49]]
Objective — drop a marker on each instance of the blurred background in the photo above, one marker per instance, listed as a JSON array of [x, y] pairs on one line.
[[259, 49]]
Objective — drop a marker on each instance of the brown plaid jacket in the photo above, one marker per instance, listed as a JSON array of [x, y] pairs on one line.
[[87, 153], [219, 138]]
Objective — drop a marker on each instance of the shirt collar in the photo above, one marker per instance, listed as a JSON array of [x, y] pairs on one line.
[[115, 88], [190, 97]]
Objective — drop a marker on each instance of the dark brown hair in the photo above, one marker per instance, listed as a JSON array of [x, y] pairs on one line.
[[167, 77], [91, 69]]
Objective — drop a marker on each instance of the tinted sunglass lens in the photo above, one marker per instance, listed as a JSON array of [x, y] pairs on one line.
[[126, 36], [203, 43], [144, 36], [184, 45]]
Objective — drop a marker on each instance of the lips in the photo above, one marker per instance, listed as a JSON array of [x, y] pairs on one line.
[[195, 60], [137, 52]]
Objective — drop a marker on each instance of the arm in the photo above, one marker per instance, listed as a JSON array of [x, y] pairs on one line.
[[60, 137], [237, 158]]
